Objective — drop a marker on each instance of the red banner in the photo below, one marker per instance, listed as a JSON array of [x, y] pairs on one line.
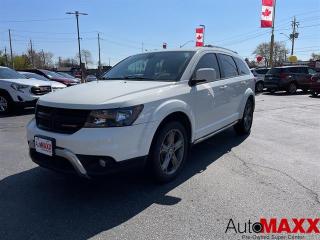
[[267, 13], [199, 37]]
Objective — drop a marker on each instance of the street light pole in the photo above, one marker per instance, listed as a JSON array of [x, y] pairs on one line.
[[204, 31], [77, 13]]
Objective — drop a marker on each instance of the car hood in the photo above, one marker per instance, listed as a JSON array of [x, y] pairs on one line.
[[29, 82], [99, 94], [55, 84]]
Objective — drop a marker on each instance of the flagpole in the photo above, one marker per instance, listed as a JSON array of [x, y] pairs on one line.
[[272, 35]]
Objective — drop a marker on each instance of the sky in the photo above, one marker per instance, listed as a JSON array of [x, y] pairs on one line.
[[128, 26]]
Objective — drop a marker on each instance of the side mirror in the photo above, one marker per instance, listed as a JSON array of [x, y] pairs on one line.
[[204, 75]]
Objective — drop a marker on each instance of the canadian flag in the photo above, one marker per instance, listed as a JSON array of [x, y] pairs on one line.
[[199, 37], [267, 13]]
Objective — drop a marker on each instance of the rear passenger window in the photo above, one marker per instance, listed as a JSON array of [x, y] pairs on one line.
[[208, 60], [227, 65], [242, 67]]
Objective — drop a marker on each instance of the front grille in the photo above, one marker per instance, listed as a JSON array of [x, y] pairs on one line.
[[41, 90], [60, 120]]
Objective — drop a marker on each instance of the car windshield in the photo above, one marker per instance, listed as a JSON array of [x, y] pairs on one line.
[[66, 75], [51, 74], [7, 73], [156, 66], [35, 76]]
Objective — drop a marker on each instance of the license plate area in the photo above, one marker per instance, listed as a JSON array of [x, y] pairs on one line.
[[44, 145]]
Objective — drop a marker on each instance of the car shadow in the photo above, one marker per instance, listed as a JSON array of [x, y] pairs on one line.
[[19, 112], [284, 93], [39, 204]]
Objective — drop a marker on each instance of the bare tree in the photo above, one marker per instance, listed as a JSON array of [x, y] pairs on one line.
[[279, 52], [86, 57]]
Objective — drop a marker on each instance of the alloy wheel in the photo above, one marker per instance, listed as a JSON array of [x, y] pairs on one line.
[[3, 104], [248, 115], [172, 151]]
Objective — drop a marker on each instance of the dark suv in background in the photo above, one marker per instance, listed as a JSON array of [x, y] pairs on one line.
[[289, 78]]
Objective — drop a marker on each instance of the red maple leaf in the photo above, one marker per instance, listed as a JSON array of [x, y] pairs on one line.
[[199, 37], [266, 12]]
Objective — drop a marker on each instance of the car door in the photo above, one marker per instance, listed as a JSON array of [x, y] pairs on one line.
[[207, 99], [233, 88]]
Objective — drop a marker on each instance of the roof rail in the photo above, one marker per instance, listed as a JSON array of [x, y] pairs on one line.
[[209, 45]]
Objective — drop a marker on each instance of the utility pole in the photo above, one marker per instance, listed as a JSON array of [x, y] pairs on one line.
[[272, 35], [99, 63], [77, 13], [31, 53], [294, 34], [11, 55], [6, 56], [204, 32], [43, 58]]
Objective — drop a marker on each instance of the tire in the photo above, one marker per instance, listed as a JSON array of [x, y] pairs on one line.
[[305, 90], [314, 94], [259, 86], [243, 127], [165, 161], [6, 103], [292, 88]]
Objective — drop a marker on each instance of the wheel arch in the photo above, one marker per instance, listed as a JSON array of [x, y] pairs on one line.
[[249, 94]]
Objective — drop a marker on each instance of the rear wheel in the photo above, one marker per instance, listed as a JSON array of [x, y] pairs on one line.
[[314, 93], [243, 127], [259, 86], [169, 151], [292, 88], [5, 103]]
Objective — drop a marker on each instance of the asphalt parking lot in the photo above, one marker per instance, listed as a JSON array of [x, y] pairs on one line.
[[274, 172]]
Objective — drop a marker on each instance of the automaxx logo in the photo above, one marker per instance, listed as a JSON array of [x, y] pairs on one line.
[[275, 225]]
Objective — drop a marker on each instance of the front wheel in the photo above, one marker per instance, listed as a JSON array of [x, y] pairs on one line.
[[169, 151], [5, 103], [292, 88], [314, 94], [243, 127], [259, 86]]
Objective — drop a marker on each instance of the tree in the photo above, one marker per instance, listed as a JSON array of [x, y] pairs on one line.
[[40, 59], [315, 56], [21, 62], [279, 52], [86, 57], [67, 62]]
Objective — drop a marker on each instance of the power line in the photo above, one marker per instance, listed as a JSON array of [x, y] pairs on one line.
[[35, 20]]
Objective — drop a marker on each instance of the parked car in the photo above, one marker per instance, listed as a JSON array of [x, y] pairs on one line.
[[149, 109], [53, 76], [315, 84], [54, 85], [289, 78], [17, 91], [91, 78], [67, 75], [259, 73]]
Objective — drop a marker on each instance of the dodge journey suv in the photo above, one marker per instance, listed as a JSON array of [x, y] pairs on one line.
[[148, 110]]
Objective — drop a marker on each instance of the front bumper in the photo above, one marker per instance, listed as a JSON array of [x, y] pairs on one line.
[[92, 151]]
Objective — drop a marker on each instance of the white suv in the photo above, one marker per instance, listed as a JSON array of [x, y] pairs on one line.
[[148, 109], [17, 91]]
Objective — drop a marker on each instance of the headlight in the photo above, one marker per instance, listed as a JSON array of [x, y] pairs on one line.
[[18, 87], [119, 117]]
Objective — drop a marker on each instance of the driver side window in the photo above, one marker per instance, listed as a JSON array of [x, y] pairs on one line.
[[208, 60]]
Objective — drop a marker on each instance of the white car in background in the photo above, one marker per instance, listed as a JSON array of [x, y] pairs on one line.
[[259, 73], [17, 91], [149, 109], [55, 85]]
